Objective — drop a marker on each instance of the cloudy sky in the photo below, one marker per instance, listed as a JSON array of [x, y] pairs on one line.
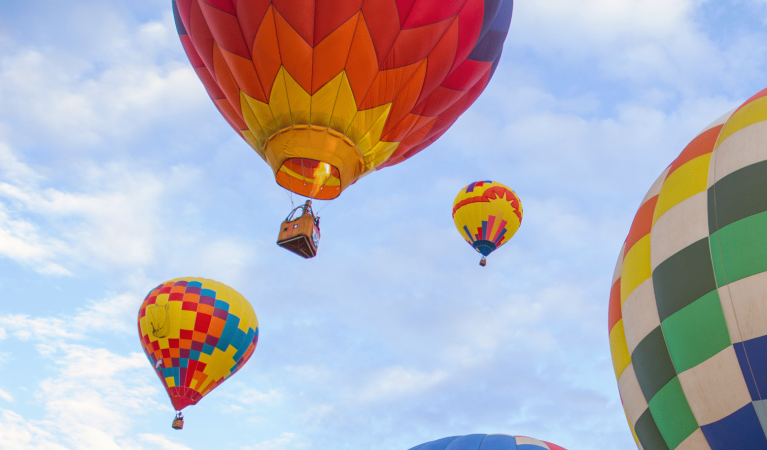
[[117, 173]]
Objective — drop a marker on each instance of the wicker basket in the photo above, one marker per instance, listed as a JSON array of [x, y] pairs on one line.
[[178, 424], [301, 236]]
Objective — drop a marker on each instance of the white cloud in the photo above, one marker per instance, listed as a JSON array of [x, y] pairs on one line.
[[396, 382], [286, 441], [158, 441], [6, 396], [16, 433]]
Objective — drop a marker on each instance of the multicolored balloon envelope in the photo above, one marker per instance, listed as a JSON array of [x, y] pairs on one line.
[[326, 91], [196, 333], [487, 442], [688, 306], [487, 214]]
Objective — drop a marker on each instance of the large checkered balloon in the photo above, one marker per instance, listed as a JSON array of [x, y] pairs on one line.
[[196, 334], [688, 306], [487, 442]]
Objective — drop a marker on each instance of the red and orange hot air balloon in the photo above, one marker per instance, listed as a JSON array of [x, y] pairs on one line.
[[326, 91]]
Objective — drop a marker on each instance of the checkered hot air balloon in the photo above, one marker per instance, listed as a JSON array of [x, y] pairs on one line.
[[487, 214], [196, 333], [487, 442], [326, 91], [688, 306]]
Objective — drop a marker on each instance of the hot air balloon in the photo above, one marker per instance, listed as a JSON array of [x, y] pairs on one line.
[[196, 334], [327, 91], [487, 214], [487, 442], [688, 310]]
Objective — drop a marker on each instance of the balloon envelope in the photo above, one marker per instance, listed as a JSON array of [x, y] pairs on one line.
[[196, 333], [326, 91], [487, 214], [688, 310], [487, 442]]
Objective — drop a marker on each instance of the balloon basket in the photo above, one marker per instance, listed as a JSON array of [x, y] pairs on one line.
[[178, 424], [483, 262], [301, 235]]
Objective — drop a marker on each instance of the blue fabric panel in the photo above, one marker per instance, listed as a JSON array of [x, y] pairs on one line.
[[499, 442], [208, 293], [468, 442], [194, 284], [740, 430], [232, 322], [756, 363], [490, 12], [245, 344], [468, 233], [183, 362], [489, 47], [503, 18], [208, 349], [222, 305], [194, 355], [439, 444]]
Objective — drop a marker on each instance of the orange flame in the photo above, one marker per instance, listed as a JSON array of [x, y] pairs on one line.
[[320, 175]]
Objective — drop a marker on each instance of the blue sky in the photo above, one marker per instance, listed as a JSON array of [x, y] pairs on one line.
[[117, 173]]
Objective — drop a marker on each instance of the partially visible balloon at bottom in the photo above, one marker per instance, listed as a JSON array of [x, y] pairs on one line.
[[488, 442]]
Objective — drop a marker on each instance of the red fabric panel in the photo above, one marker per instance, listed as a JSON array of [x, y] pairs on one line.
[[361, 67], [383, 23], [403, 9], [226, 82], [300, 15], [425, 12], [614, 311], [295, 52], [210, 84], [225, 30], [387, 84], [465, 76], [331, 14], [701, 145], [184, 7], [642, 224], [250, 13], [267, 60], [405, 100], [191, 52], [330, 55], [470, 19], [415, 44], [244, 74], [440, 61], [438, 101], [223, 5], [201, 36], [404, 127]]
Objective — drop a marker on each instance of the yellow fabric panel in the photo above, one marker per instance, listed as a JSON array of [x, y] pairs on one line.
[[170, 381], [365, 119], [636, 267], [187, 319], [366, 143], [345, 107], [263, 115], [380, 153], [249, 137], [324, 100], [174, 315], [619, 349], [278, 101], [299, 101], [749, 114], [682, 184], [254, 126]]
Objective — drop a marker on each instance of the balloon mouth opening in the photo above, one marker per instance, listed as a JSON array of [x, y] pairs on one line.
[[313, 161], [310, 178], [485, 247], [181, 401]]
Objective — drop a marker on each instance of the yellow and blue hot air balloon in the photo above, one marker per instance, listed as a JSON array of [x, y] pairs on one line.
[[487, 214], [196, 333]]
